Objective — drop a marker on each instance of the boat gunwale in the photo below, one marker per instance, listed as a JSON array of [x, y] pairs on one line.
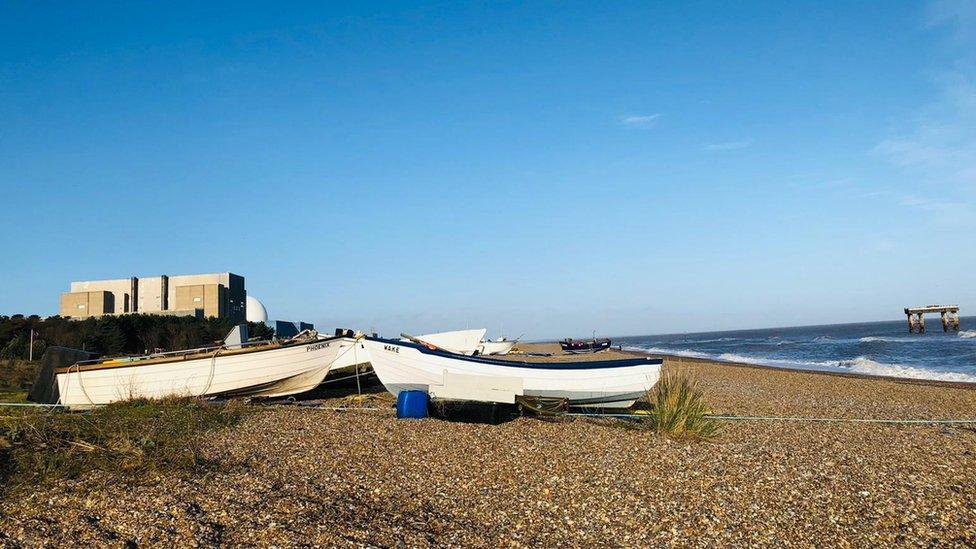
[[93, 366], [580, 365]]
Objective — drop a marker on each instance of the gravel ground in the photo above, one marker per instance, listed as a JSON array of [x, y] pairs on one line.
[[302, 476]]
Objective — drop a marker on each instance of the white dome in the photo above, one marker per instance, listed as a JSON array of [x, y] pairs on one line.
[[255, 311]]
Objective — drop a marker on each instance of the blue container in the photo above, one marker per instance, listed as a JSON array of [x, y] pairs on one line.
[[412, 404]]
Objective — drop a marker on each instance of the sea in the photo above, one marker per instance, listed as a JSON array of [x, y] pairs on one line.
[[873, 348]]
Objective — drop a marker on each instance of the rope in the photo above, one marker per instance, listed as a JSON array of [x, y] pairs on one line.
[[800, 419], [844, 420], [81, 383], [325, 408], [543, 405], [338, 379], [213, 369], [355, 358]]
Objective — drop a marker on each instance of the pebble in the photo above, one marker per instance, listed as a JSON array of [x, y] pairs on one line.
[[293, 476]]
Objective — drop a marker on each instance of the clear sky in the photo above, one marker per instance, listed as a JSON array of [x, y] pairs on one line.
[[546, 168]]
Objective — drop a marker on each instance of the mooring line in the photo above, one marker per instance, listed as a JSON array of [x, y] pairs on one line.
[[845, 420], [799, 419]]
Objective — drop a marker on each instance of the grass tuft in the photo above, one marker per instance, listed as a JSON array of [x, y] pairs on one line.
[[124, 439], [679, 408]]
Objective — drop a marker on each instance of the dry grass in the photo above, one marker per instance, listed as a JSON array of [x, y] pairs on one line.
[[17, 375], [13, 396], [128, 438], [679, 409]]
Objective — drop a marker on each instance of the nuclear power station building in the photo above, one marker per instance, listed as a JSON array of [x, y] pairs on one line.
[[203, 295]]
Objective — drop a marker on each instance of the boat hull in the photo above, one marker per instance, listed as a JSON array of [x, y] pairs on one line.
[[583, 347], [404, 366], [352, 354], [464, 342], [232, 374], [489, 348], [345, 356]]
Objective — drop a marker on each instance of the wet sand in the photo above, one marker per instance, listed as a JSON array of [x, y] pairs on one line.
[[294, 477]]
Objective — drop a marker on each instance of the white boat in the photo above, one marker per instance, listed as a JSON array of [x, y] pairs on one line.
[[500, 346], [241, 371], [403, 365], [462, 342], [349, 353], [353, 353]]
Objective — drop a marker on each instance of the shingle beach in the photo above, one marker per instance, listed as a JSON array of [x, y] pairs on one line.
[[294, 476]]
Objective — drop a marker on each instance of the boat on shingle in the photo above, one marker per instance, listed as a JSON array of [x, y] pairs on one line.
[[580, 346], [418, 365], [274, 368]]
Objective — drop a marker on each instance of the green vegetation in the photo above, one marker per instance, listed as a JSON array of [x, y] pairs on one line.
[[114, 335], [108, 336], [679, 408], [13, 396], [126, 439], [16, 375]]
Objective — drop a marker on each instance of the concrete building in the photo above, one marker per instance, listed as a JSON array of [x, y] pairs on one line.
[[219, 294]]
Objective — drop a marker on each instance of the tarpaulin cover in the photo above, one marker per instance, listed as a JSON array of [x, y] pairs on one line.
[[45, 388]]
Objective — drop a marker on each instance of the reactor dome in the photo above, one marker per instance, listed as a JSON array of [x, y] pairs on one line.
[[255, 311]]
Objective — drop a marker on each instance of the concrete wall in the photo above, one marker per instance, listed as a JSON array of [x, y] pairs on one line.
[[210, 298], [150, 294], [234, 303], [226, 298], [120, 289], [85, 304]]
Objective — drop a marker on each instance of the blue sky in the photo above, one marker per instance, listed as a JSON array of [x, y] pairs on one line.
[[546, 168]]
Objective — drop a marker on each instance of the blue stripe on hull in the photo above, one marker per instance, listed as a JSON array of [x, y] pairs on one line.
[[587, 365]]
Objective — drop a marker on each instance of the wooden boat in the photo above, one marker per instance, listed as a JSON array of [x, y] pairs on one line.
[[500, 346], [349, 353], [462, 342], [579, 346], [352, 354], [266, 369], [406, 365]]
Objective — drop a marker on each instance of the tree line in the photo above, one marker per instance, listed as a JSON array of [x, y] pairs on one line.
[[132, 334]]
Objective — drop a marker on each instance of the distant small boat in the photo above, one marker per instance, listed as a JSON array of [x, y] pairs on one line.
[[579, 346], [408, 365], [500, 346]]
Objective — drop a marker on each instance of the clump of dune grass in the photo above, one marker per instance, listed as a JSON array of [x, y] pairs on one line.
[[678, 408], [128, 439]]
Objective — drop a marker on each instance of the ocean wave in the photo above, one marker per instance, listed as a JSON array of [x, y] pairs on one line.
[[864, 365], [778, 362], [666, 351], [700, 341], [858, 365], [917, 339]]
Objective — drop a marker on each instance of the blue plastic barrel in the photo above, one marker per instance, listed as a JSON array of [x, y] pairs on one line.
[[412, 404]]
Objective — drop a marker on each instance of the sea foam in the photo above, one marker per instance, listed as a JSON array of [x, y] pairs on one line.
[[858, 365]]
